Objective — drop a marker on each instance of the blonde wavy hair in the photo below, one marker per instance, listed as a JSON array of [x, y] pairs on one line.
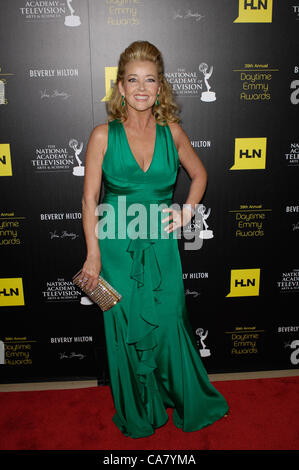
[[167, 110]]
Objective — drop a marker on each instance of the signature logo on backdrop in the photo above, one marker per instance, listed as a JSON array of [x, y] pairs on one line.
[[5, 160], [244, 282], [194, 293], [73, 354], [64, 234], [255, 11], [55, 94], [187, 15], [250, 153]]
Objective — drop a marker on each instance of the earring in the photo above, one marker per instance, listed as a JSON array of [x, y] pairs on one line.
[[123, 100], [157, 100]]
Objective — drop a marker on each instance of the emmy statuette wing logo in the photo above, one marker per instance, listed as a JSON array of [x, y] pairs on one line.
[[71, 20], [205, 233], [204, 352], [74, 144], [207, 95]]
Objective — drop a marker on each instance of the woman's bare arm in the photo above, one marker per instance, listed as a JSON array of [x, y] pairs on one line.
[[95, 152], [194, 167], [192, 164]]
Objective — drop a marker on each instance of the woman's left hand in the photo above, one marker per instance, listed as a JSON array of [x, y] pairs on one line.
[[179, 218]]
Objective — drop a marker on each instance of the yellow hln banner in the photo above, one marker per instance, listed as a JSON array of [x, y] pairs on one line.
[[110, 79], [244, 282], [250, 153], [255, 11], [5, 160], [11, 291]]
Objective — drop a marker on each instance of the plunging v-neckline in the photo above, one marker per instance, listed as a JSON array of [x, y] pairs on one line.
[[155, 146]]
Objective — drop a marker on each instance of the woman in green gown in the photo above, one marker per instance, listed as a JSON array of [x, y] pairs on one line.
[[154, 363]]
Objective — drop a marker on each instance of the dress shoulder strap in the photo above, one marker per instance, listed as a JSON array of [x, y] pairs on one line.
[[113, 145]]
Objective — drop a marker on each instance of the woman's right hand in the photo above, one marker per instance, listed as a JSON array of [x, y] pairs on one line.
[[90, 271]]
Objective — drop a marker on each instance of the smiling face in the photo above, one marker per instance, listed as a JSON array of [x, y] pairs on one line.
[[140, 85]]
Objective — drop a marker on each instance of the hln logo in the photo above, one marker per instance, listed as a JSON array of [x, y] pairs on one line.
[[244, 282], [246, 154], [5, 160], [255, 11], [255, 4], [11, 292], [250, 153], [110, 79]]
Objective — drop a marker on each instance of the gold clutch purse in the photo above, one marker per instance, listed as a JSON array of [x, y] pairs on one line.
[[104, 294]]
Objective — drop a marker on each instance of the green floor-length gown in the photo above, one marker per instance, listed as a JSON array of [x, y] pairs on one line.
[[154, 363]]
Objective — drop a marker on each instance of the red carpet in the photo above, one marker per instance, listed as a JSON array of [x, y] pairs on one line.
[[263, 416]]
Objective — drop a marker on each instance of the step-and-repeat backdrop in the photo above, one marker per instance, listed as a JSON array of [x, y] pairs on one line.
[[234, 68]]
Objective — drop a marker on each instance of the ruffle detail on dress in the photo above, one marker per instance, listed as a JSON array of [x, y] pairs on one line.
[[142, 317], [143, 320]]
